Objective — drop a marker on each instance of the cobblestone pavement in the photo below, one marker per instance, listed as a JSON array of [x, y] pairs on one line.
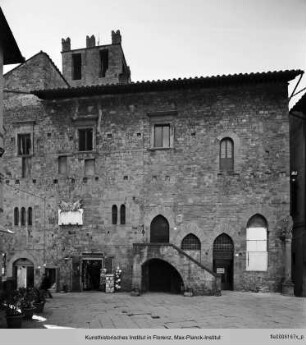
[[165, 311]]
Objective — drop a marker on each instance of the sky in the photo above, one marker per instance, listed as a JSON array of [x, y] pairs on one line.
[[165, 39]]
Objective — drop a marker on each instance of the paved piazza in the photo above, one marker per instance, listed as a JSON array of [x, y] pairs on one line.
[[98, 310]]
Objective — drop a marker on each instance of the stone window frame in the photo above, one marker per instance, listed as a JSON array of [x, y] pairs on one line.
[[86, 168], [264, 242], [160, 118], [227, 163], [237, 151], [61, 156], [22, 128], [86, 122], [191, 242]]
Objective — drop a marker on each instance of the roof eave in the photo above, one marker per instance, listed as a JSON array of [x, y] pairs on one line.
[[11, 52]]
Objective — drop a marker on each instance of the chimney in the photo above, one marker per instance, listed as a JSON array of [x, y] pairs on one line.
[[116, 37], [66, 44], [90, 41]]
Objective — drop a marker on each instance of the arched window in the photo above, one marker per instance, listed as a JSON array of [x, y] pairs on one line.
[[227, 154], [122, 214], [16, 216], [30, 216], [23, 216], [159, 230], [114, 214], [256, 244], [191, 242]]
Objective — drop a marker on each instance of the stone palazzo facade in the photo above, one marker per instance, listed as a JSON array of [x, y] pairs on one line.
[[182, 184]]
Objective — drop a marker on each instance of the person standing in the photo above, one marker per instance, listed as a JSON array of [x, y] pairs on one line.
[[45, 285]]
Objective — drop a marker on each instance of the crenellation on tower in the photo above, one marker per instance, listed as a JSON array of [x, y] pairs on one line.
[[116, 37], [66, 44], [95, 64], [90, 41]]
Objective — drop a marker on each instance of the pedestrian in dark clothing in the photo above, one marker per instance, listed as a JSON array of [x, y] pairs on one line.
[[45, 285]]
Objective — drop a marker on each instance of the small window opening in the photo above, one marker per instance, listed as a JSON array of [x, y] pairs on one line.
[[16, 216], [103, 62], [76, 66], [114, 214], [23, 216], [122, 214], [30, 213]]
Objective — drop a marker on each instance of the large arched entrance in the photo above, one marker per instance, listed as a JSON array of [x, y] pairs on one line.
[[159, 230], [23, 271], [223, 257], [159, 276]]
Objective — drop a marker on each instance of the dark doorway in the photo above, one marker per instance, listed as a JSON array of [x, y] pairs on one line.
[[91, 271], [160, 276], [51, 274], [223, 257], [159, 230]]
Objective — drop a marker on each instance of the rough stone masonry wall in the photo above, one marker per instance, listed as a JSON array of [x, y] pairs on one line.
[[36, 73], [91, 65], [183, 184]]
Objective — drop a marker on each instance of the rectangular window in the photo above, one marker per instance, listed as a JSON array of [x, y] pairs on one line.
[[86, 139], [89, 167], [162, 135], [63, 165], [26, 167], [24, 144], [256, 249], [76, 66], [103, 62]]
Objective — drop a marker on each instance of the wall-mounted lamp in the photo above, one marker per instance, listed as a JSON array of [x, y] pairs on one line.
[[294, 175]]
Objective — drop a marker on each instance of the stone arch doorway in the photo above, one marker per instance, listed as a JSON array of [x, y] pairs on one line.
[[23, 273], [159, 276], [159, 230], [223, 260]]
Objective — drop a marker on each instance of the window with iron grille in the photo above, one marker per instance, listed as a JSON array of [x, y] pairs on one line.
[[114, 214], [24, 144], [86, 139], [227, 154], [162, 135], [223, 247], [191, 242]]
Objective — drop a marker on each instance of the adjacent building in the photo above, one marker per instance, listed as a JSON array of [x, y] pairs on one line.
[[9, 54], [183, 184], [298, 194]]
